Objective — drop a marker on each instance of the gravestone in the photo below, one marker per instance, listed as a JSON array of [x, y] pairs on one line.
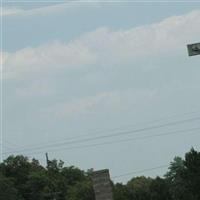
[[102, 185]]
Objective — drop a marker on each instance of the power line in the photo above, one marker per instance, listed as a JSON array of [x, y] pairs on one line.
[[108, 135], [115, 129], [11, 144], [131, 125], [118, 141], [139, 171]]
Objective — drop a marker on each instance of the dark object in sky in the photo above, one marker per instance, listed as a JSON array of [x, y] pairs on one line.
[[193, 49], [102, 185]]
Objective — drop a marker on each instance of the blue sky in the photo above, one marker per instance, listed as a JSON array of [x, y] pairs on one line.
[[71, 69]]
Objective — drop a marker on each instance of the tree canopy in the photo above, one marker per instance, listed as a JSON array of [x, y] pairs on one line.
[[25, 179]]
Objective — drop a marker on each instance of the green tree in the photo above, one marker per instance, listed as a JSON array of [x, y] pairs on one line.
[[7, 189], [81, 191], [24, 179], [120, 192], [191, 173], [177, 187], [159, 189], [139, 188]]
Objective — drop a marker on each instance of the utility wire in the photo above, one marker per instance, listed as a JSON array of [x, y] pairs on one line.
[[139, 171], [117, 141], [121, 128], [108, 135], [125, 174]]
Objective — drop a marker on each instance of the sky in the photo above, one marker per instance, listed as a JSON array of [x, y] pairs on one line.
[[101, 84]]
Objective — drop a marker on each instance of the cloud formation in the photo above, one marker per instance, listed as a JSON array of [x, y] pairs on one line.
[[166, 37], [45, 10], [45, 57], [109, 47], [5, 11], [39, 88], [114, 101]]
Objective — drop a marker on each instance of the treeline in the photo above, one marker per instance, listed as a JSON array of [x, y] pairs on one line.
[[24, 179]]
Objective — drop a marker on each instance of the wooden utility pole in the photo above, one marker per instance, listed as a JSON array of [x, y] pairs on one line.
[[47, 159]]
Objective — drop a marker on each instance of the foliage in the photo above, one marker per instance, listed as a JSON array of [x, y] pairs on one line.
[[7, 189], [24, 179]]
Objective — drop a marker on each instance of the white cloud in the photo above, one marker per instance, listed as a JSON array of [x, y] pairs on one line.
[[115, 101], [45, 10], [109, 47], [46, 57], [5, 11], [169, 36], [37, 88], [86, 105], [3, 57]]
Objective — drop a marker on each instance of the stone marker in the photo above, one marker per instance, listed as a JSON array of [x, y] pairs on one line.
[[102, 185]]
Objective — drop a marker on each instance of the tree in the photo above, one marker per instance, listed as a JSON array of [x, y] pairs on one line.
[[36, 186], [184, 177], [139, 188], [177, 187], [81, 191], [24, 179], [120, 192], [7, 189], [159, 189], [191, 173]]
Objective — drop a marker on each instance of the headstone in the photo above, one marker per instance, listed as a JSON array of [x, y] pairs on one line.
[[102, 185]]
